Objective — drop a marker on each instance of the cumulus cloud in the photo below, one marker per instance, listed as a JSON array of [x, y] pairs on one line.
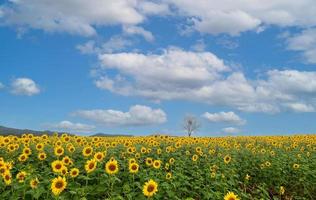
[[24, 86], [225, 117], [114, 44], [75, 17], [136, 30], [230, 130], [203, 77], [304, 42], [138, 115], [72, 127], [236, 16]]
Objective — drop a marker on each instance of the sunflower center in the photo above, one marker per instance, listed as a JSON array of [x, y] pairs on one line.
[[134, 167], [7, 177], [231, 198], [59, 151], [59, 184], [150, 188], [88, 151], [58, 166], [91, 165], [112, 167], [99, 156]]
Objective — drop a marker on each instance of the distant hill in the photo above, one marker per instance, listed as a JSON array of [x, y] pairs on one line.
[[14, 131]]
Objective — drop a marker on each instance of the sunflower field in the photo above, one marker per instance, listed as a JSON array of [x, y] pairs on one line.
[[158, 167]]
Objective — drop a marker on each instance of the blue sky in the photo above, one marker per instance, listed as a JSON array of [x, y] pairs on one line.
[[139, 67]]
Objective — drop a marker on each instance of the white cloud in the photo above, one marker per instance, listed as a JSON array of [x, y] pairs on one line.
[[226, 117], [137, 115], [230, 130], [114, 44], [72, 127], [136, 30], [203, 77], [2, 86], [75, 17], [236, 16], [304, 42], [151, 8], [24, 86], [300, 107]]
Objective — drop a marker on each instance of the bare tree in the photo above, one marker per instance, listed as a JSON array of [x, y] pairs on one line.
[[190, 124]]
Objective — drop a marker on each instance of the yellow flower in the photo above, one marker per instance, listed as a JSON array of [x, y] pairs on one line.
[[7, 177], [27, 151], [168, 176], [247, 177], [195, 157], [40, 147], [171, 161], [90, 165], [231, 196], [227, 159], [66, 160], [296, 166], [111, 167], [74, 172], [34, 183], [57, 166], [21, 176], [150, 188], [157, 164], [58, 185], [23, 157], [87, 151], [149, 161], [99, 156], [58, 151], [41, 156], [133, 167]]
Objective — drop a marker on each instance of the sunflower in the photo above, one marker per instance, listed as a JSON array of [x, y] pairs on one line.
[[23, 157], [195, 157], [133, 167], [40, 147], [149, 161], [7, 177], [58, 151], [66, 160], [41, 156], [64, 170], [21, 176], [231, 196], [168, 176], [150, 188], [27, 151], [296, 166], [34, 183], [90, 165], [74, 172], [111, 167], [157, 164], [131, 161], [99, 156], [57, 166], [58, 185], [87, 151], [171, 160], [227, 159]]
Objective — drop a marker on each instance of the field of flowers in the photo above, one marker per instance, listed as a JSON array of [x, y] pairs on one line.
[[157, 167]]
